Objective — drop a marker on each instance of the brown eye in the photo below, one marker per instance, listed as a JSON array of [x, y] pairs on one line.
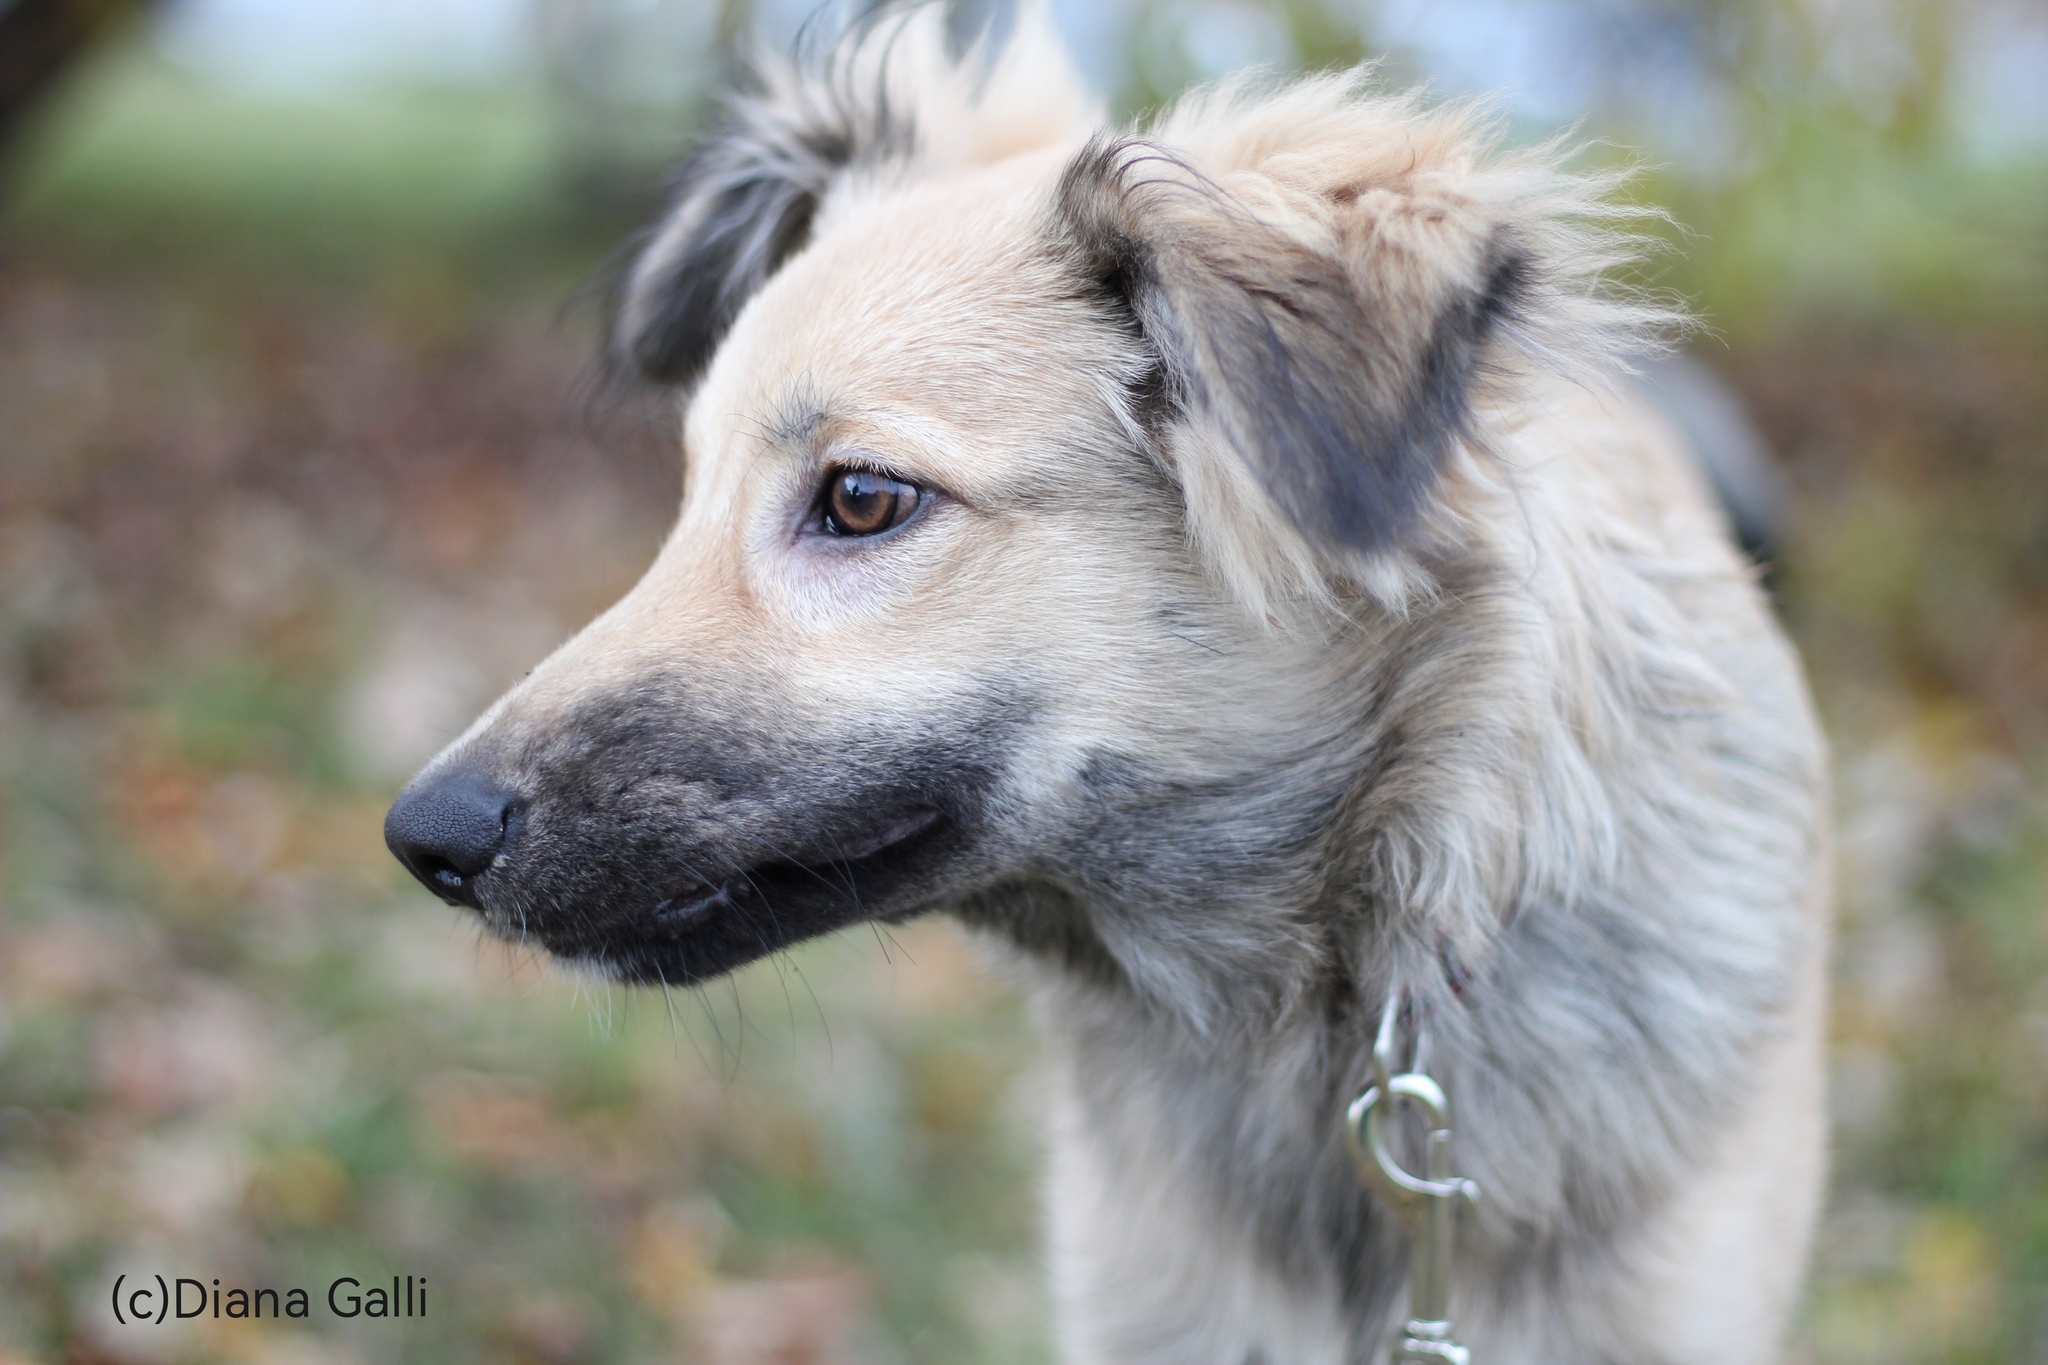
[[859, 502]]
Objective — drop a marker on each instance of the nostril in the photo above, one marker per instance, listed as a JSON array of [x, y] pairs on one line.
[[437, 871], [448, 832]]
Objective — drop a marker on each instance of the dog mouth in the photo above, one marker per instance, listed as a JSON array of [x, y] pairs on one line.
[[695, 927], [676, 915]]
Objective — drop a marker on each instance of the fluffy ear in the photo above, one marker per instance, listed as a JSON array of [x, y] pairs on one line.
[[742, 203], [1325, 335], [894, 95]]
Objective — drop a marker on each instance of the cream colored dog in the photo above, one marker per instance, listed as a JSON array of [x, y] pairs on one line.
[[1218, 562]]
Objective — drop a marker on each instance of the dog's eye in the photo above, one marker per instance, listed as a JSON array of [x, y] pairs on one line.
[[859, 502]]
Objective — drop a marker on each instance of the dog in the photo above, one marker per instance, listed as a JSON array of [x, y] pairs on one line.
[[1223, 562]]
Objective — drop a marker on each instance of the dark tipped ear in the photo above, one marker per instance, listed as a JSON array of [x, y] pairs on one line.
[[1339, 369], [742, 204], [739, 208]]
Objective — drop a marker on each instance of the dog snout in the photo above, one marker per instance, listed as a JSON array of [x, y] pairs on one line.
[[449, 831]]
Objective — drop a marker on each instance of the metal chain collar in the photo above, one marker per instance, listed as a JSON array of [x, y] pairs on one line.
[[1427, 1205]]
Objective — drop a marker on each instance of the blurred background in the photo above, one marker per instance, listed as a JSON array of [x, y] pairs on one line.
[[298, 467]]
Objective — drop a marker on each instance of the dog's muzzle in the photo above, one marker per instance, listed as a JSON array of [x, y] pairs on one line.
[[664, 837]]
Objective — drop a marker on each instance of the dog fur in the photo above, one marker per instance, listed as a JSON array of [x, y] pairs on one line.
[[1298, 610]]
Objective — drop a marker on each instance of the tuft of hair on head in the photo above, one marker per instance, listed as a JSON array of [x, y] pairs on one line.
[[893, 96], [1331, 283]]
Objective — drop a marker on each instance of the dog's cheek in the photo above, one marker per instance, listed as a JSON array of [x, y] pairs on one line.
[[821, 589]]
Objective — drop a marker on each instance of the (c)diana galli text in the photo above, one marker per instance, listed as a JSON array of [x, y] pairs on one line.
[[154, 1300]]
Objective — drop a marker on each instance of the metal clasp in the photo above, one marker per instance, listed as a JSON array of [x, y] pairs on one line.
[[1427, 1205]]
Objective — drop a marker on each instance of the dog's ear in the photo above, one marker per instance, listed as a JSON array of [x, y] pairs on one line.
[[741, 205], [1326, 336], [896, 94]]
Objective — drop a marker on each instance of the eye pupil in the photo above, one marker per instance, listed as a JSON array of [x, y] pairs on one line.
[[859, 502]]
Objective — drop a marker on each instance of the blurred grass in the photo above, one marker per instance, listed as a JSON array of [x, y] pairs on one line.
[[294, 478], [1836, 225], [148, 163]]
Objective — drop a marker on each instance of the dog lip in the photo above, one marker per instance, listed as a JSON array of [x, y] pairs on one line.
[[903, 827], [675, 914]]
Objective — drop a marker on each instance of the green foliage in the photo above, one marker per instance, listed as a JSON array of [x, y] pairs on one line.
[[144, 163]]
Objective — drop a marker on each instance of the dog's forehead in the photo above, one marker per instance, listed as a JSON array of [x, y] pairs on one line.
[[940, 303]]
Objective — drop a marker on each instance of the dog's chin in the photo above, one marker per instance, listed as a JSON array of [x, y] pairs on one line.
[[693, 932]]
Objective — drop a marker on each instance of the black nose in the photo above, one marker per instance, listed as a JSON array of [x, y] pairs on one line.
[[447, 832]]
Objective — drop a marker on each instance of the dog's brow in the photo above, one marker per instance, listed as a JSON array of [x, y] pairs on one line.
[[796, 417], [791, 423]]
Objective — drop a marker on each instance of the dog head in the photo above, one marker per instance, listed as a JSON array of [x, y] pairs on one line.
[[1041, 487]]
